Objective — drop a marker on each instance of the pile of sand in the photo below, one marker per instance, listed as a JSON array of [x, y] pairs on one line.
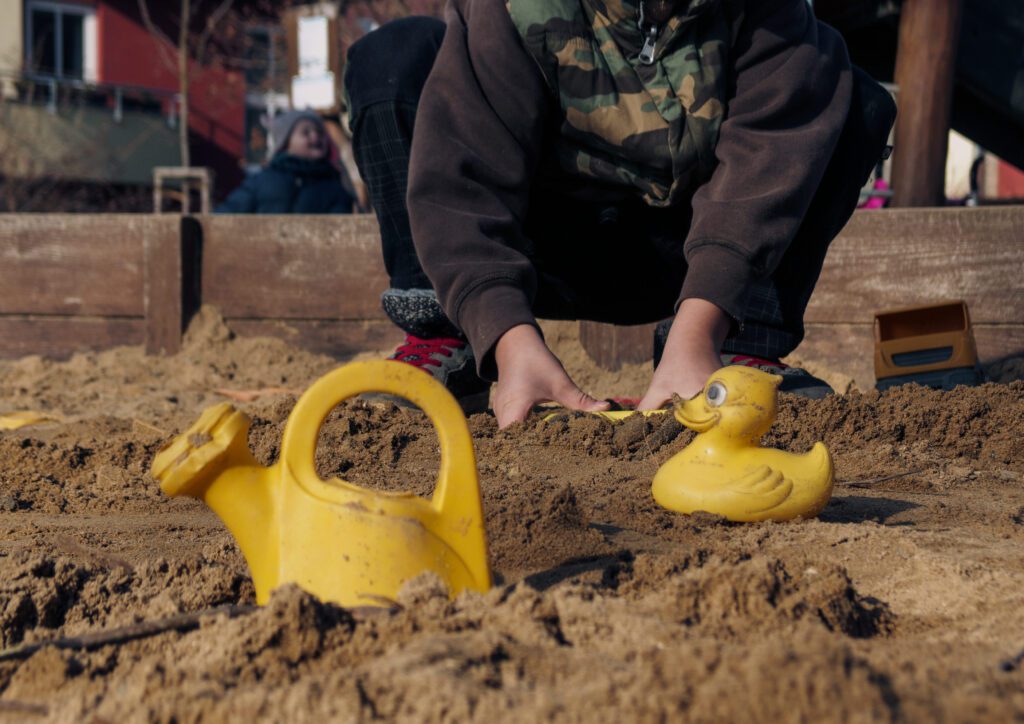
[[902, 601]]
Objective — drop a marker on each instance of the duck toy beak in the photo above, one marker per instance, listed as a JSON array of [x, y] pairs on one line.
[[694, 413]]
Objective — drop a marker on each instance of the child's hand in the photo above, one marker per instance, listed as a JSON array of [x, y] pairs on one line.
[[529, 373], [691, 353], [683, 375]]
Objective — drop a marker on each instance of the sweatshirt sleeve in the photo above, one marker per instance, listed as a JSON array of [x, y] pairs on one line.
[[790, 100], [476, 145]]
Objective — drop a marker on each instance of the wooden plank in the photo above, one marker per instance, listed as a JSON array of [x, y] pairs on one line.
[[88, 264], [60, 337], [893, 258], [902, 257], [611, 346], [850, 348], [925, 64], [333, 338], [294, 267], [171, 285]]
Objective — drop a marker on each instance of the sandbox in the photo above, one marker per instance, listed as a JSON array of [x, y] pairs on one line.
[[903, 601]]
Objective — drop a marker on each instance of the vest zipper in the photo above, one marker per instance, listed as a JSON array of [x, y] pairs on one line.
[[650, 38]]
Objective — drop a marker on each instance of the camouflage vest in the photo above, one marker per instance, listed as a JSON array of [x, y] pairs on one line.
[[649, 127]]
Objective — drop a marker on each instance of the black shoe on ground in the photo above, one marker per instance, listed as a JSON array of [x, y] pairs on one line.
[[794, 379]]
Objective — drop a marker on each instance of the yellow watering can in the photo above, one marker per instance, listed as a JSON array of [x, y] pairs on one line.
[[336, 540]]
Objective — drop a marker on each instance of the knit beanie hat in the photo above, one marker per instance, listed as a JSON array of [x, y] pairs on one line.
[[283, 123]]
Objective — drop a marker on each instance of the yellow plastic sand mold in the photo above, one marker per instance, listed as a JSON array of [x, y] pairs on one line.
[[343, 543], [725, 471]]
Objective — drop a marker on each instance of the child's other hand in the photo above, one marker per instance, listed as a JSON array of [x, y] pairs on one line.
[[528, 373], [691, 353]]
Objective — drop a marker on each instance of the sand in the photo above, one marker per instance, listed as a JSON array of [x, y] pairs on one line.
[[904, 601]]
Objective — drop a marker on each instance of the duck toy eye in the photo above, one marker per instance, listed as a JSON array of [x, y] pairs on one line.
[[716, 394]]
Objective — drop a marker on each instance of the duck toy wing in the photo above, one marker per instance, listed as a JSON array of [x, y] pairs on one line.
[[748, 498], [759, 491]]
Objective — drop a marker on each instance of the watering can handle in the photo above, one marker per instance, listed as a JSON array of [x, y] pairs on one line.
[[458, 464]]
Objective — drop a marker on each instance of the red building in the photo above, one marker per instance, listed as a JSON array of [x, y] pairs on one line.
[[129, 53], [111, 44]]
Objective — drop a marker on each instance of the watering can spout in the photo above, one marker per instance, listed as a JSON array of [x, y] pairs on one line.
[[212, 462]]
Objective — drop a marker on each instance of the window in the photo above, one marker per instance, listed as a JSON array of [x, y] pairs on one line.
[[60, 40]]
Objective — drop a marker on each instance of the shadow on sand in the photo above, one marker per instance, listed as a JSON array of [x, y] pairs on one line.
[[861, 508]]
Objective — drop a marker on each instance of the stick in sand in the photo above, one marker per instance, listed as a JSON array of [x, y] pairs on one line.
[[872, 481], [86, 642], [252, 395], [181, 623]]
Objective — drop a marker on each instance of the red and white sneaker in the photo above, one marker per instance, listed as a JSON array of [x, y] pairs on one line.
[[794, 379], [450, 361]]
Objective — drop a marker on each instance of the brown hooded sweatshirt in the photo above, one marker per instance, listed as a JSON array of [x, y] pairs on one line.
[[480, 129]]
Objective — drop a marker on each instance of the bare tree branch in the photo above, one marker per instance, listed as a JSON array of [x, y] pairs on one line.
[[183, 80], [211, 23], [170, 61]]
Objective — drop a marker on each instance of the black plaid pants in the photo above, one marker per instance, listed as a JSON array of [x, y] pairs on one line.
[[621, 263]]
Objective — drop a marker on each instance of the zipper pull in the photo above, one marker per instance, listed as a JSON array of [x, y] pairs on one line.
[[650, 39], [650, 45]]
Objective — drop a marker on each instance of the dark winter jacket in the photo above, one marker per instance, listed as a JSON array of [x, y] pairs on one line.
[[290, 185]]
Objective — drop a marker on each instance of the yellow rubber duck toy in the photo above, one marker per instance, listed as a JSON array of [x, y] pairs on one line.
[[725, 471]]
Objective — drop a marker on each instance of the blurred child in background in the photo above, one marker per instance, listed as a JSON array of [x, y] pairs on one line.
[[304, 175]]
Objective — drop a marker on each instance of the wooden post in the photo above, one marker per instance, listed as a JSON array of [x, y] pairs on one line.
[[172, 285], [611, 346], [925, 64]]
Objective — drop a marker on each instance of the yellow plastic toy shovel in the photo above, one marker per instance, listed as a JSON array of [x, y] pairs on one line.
[[336, 540]]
